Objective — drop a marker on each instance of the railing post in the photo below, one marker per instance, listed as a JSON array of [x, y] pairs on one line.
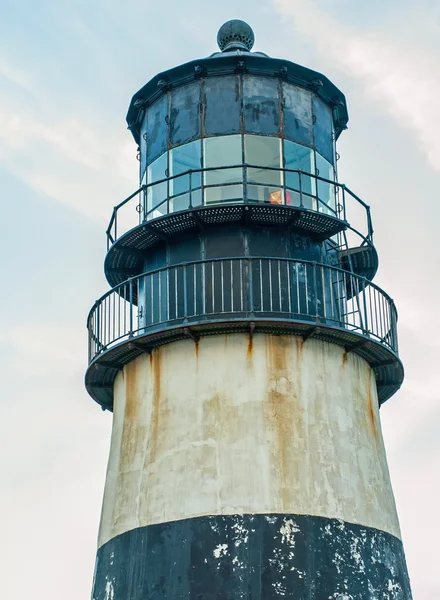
[[98, 329], [190, 189], [251, 287], [364, 287], [245, 184], [393, 320], [344, 210], [130, 333], [301, 203], [315, 286], [185, 292], [89, 331]]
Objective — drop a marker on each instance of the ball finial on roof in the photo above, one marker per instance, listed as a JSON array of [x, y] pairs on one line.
[[235, 35]]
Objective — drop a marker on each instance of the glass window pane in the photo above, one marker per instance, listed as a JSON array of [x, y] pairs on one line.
[[298, 118], [223, 104], [261, 105], [264, 176], [224, 176], [264, 151], [326, 191], [299, 158], [183, 159], [222, 151], [265, 193], [157, 128], [156, 194], [224, 193], [186, 201], [323, 129], [185, 113]]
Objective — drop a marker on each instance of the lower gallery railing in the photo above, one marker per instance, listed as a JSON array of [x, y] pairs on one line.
[[238, 289]]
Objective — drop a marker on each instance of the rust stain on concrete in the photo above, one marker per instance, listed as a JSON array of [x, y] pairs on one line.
[[371, 413], [131, 404], [155, 374], [344, 358], [280, 408], [196, 345], [250, 347], [131, 439]]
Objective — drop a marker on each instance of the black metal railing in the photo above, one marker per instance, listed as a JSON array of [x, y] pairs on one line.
[[195, 188], [238, 289]]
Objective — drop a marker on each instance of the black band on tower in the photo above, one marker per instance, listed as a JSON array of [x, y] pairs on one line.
[[253, 556]]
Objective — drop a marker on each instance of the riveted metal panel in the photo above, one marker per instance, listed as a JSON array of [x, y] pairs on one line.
[[185, 114], [157, 259], [222, 101], [185, 248], [261, 105], [267, 242], [323, 129], [224, 242], [157, 129], [298, 116]]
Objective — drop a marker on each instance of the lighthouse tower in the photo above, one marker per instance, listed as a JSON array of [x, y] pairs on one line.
[[244, 349]]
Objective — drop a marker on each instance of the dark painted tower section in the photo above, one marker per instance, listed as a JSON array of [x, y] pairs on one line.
[[244, 349]]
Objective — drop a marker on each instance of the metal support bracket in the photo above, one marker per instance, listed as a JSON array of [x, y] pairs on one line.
[[140, 346], [108, 364], [198, 220], [311, 333], [361, 344], [293, 220], [154, 231], [194, 336]]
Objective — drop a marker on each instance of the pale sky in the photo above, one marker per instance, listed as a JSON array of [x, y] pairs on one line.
[[67, 73]]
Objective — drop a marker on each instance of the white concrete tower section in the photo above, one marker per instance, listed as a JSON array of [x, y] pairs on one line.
[[244, 349], [234, 425]]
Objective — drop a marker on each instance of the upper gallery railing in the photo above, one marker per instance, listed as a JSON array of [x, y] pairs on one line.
[[241, 289], [195, 188]]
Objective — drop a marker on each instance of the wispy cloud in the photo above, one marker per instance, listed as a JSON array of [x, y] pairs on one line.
[[400, 76]]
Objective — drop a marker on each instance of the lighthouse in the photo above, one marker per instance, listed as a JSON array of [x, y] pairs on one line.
[[243, 348]]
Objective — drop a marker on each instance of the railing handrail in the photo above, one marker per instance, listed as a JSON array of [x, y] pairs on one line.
[[133, 279], [245, 166]]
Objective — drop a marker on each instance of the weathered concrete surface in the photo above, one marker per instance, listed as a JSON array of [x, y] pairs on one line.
[[253, 557], [233, 425]]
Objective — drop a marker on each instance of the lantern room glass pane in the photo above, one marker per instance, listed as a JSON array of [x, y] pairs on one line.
[[323, 129], [157, 128], [326, 191], [265, 193], [185, 114], [183, 159], [156, 194], [264, 151], [219, 152], [299, 158], [224, 193], [261, 105], [223, 105], [298, 118]]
